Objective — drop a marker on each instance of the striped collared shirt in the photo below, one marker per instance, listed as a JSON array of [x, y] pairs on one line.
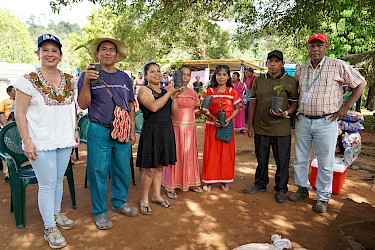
[[321, 89]]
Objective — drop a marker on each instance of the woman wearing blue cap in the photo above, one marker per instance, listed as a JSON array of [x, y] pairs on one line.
[[46, 120]]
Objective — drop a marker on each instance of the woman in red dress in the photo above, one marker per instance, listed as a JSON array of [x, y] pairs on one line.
[[218, 155]]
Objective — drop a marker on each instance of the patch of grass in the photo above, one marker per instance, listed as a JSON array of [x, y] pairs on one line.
[[369, 153], [200, 118], [369, 122]]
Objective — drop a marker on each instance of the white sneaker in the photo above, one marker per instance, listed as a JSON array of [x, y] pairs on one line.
[[54, 238], [63, 221]]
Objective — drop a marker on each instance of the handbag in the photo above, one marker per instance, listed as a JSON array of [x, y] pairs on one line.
[[225, 133], [121, 124]]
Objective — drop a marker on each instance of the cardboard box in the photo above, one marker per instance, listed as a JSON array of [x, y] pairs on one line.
[[339, 175]]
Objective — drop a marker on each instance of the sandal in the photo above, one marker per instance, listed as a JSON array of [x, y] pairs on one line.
[[172, 195], [145, 210], [163, 203], [102, 222], [207, 187], [224, 187], [196, 189]]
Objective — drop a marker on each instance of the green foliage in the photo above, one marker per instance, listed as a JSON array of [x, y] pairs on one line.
[[280, 88], [15, 43], [369, 123], [162, 26], [349, 24], [163, 32], [63, 30], [102, 24]]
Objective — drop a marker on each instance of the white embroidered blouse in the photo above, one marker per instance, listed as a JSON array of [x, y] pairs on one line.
[[51, 113]]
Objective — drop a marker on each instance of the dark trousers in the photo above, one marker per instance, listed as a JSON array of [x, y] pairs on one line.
[[281, 152]]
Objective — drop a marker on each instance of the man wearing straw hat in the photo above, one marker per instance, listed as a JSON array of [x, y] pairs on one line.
[[106, 155]]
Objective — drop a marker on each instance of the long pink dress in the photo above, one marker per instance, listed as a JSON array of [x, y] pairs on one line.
[[239, 120], [185, 174]]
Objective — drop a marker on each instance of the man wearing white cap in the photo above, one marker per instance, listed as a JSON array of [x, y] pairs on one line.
[[321, 94], [104, 153]]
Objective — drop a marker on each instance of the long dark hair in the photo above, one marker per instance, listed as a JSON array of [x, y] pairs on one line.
[[214, 83], [237, 74], [185, 66], [145, 69]]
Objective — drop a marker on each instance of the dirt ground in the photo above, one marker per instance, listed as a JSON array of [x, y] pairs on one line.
[[215, 220]]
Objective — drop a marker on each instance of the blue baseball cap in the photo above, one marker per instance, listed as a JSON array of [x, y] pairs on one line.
[[49, 37], [250, 69]]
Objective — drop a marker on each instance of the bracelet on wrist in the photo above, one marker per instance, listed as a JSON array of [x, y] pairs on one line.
[[26, 138]]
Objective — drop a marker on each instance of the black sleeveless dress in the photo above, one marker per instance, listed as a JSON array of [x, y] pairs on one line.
[[157, 143]]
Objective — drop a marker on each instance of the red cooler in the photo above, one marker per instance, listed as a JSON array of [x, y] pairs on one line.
[[339, 174]]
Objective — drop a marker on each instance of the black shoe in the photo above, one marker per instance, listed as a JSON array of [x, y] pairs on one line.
[[280, 197], [302, 193], [320, 206], [254, 189], [6, 179]]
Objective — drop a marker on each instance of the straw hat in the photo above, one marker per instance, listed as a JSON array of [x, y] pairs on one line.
[[122, 49]]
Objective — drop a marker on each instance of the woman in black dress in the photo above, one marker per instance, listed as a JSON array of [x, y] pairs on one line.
[[157, 147]]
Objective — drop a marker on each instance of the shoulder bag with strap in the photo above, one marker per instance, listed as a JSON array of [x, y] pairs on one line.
[[121, 124]]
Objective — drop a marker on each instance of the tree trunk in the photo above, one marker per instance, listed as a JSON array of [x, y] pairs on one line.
[[370, 102], [367, 58]]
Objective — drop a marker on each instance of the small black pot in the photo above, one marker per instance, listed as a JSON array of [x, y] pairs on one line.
[[206, 103], [177, 79], [277, 103], [221, 116]]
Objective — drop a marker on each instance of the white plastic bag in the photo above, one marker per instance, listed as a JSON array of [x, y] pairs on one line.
[[277, 244]]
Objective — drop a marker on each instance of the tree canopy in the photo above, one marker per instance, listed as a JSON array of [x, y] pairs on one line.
[[348, 24], [15, 42], [158, 29]]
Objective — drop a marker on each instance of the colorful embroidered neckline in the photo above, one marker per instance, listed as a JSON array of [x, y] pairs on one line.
[[64, 90]]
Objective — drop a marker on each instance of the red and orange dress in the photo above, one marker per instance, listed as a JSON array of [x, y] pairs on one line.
[[219, 156]]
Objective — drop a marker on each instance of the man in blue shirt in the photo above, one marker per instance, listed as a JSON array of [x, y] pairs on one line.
[[106, 155]]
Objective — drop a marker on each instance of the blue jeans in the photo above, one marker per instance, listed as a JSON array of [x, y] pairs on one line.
[[49, 168], [106, 155], [323, 133]]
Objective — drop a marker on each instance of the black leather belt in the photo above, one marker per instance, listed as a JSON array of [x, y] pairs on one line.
[[102, 124], [314, 117]]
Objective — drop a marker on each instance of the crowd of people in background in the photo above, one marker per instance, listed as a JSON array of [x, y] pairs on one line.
[[168, 148]]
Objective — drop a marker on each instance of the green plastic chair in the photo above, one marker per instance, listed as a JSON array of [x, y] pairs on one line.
[[138, 129], [83, 124], [21, 173], [138, 121]]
